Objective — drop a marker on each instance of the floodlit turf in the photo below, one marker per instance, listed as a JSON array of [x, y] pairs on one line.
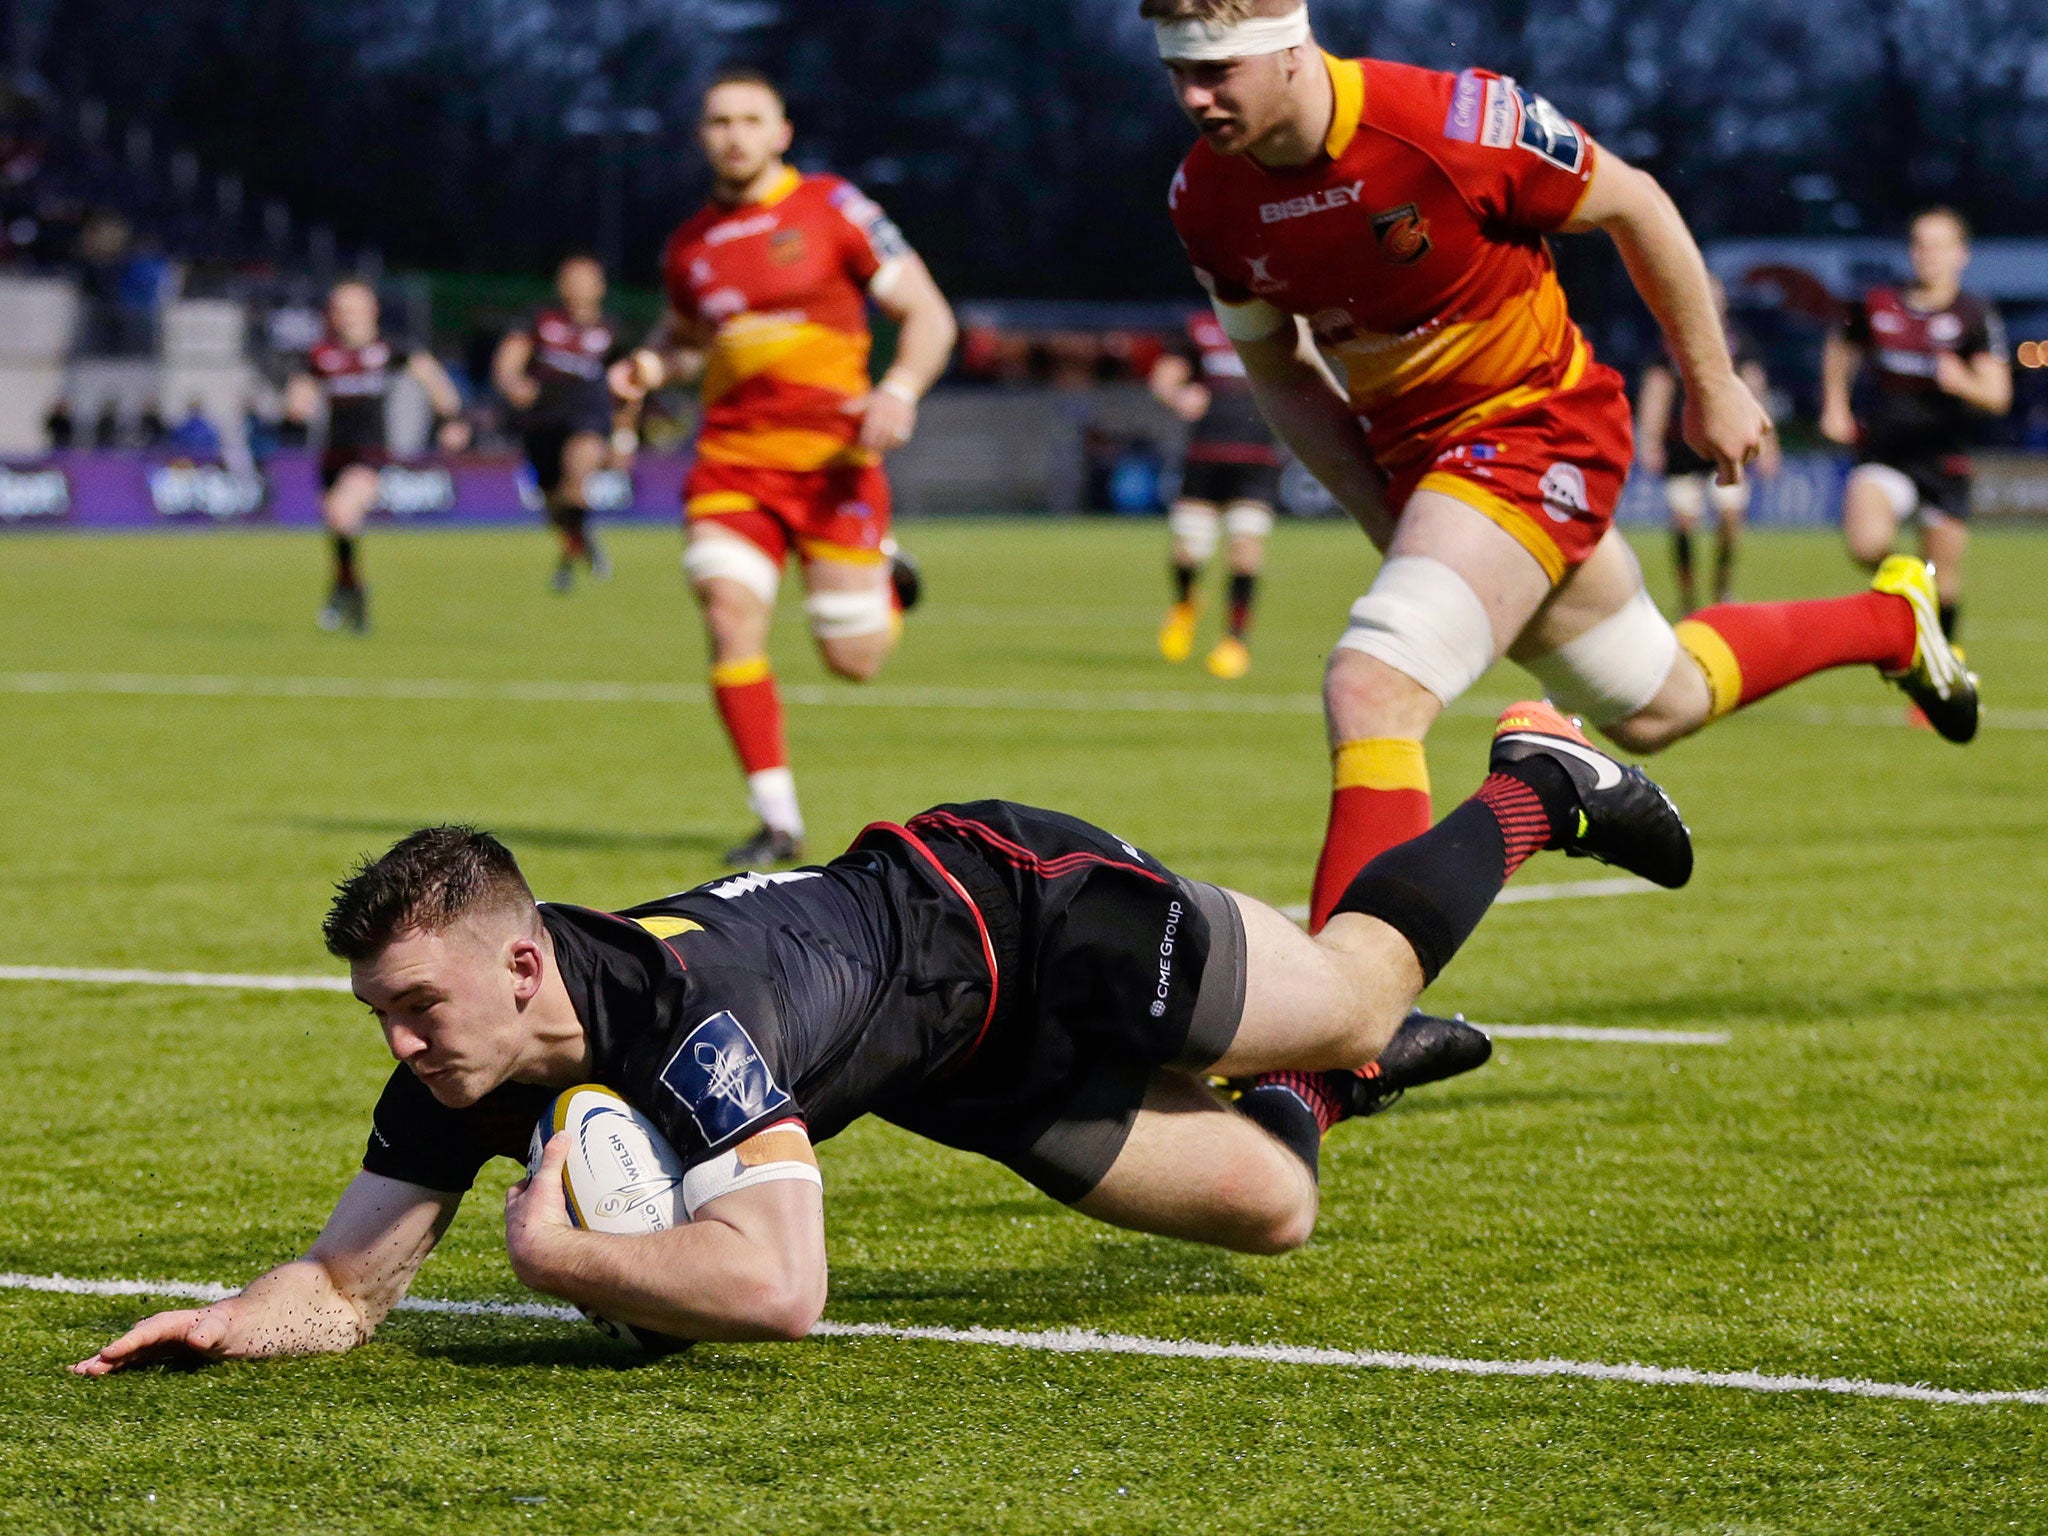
[[1855, 1186]]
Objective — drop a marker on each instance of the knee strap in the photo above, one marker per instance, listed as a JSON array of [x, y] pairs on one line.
[[1422, 619], [736, 560], [1615, 668], [849, 615], [1195, 530]]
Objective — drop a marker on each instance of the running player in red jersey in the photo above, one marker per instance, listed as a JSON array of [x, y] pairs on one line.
[[1400, 215], [552, 371], [1230, 479], [352, 369], [768, 289], [1941, 369]]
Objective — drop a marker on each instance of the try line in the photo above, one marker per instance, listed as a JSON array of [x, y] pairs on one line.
[[1088, 701], [1086, 1341]]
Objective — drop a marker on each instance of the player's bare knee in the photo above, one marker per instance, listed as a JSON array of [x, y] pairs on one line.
[[1645, 734], [855, 660], [1364, 696]]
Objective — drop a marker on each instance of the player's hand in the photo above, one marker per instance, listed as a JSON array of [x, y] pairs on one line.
[[1952, 375], [454, 435], [632, 378], [1191, 403], [886, 420], [1837, 425], [1725, 424], [538, 1230], [190, 1336]]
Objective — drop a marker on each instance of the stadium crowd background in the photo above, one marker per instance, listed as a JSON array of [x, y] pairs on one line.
[[172, 209]]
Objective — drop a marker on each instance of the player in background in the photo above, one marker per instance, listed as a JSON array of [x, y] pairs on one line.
[[552, 371], [1689, 483], [352, 370], [1008, 981], [1940, 368], [768, 288], [1230, 480], [1401, 215]]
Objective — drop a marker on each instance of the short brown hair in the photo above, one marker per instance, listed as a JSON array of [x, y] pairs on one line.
[[429, 880], [1943, 211], [1226, 12], [746, 74]]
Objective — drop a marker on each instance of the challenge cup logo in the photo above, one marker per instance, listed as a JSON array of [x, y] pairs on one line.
[[1403, 235]]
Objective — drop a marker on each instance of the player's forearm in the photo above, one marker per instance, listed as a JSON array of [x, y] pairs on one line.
[[702, 1281], [923, 347], [1838, 364], [1653, 406], [1665, 264], [1988, 387], [1319, 428]]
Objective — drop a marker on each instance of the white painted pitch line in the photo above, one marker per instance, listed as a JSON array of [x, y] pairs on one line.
[[1086, 1341], [225, 981], [1595, 1035]]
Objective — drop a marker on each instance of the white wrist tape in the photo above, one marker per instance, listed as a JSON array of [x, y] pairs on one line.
[[848, 615], [735, 560], [1615, 668], [1207, 41], [1424, 620], [892, 385]]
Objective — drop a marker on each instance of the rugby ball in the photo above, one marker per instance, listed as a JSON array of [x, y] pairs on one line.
[[622, 1176]]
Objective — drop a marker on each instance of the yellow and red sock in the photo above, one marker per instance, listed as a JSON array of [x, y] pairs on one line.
[[1751, 650], [1379, 797], [752, 711]]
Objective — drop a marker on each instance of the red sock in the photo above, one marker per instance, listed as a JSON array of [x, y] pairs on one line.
[[1750, 650], [1380, 797], [752, 711], [1314, 1089]]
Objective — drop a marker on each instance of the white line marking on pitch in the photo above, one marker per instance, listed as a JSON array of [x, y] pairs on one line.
[[226, 981], [1024, 700], [1596, 1035], [1086, 1341]]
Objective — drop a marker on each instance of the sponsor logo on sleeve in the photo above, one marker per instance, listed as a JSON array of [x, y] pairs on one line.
[[1468, 102], [1500, 115], [718, 1077], [1548, 133], [1403, 234]]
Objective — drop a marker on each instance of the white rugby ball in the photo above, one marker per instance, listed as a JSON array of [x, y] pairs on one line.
[[621, 1176]]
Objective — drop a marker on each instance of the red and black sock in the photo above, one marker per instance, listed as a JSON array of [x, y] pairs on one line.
[[1435, 888], [1297, 1109], [1243, 588], [344, 561]]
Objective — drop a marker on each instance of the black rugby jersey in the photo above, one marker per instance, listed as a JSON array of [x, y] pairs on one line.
[[1231, 431], [357, 382], [1906, 415], [818, 995], [569, 363]]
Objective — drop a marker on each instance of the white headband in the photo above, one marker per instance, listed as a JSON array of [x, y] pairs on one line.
[[1205, 41]]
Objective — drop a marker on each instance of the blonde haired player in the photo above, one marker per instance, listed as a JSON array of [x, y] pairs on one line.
[[768, 288], [1401, 216]]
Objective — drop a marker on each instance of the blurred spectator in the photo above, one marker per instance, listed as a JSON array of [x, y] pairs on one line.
[[58, 426], [106, 427], [195, 437]]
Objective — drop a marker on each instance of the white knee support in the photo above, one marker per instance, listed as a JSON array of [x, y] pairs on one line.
[[1615, 668], [1900, 493], [1423, 620], [848, 615], [735, 560], [1729, 498], [1248, 520], [1195, 530]]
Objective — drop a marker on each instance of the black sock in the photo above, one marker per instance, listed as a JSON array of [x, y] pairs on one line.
[[1434, 889], [1286, 1117], [344, 560], [1681, 560], [1951, 615], [1242, 589], [1724, 570], [1184, 581]]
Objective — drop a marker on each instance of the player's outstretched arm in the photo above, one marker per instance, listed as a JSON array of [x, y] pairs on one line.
[[1839, 360], [1302, 404], [331, 1300], [508, 369], [1723, 421], [750, 1266], [1654, 402], [911, 297], [452, 433]]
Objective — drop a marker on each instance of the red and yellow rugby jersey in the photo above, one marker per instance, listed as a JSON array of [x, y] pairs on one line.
[[781, 284], [1413, 245]]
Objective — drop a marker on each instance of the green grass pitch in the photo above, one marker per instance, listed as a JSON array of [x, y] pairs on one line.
[[1856, 1185]]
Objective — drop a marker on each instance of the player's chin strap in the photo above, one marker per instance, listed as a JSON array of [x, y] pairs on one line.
[[1207, 41]]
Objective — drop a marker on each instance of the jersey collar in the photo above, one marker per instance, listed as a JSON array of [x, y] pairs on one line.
[[785, 184], [1347, 80]]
